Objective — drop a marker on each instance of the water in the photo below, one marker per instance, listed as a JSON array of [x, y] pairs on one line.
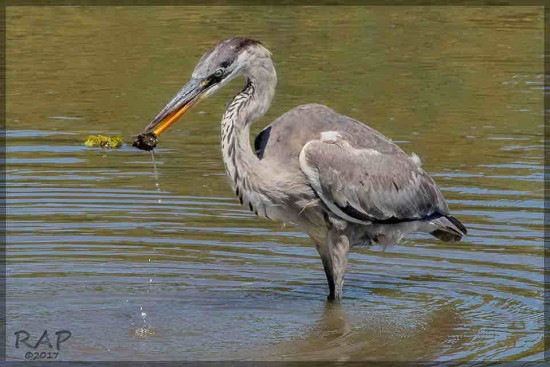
[[156, 174], [140, 267]]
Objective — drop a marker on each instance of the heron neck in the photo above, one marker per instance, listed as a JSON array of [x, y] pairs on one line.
[[261, 81], [247, 107]]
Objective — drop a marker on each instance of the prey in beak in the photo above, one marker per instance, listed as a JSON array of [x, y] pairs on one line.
[[192, 93]]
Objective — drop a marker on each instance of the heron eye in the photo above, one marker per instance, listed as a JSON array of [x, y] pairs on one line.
[[218, 73]]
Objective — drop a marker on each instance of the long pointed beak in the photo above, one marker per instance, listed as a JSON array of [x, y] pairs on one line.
[[192, 93]]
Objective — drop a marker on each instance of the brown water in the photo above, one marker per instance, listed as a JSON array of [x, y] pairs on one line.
[[185, 273]]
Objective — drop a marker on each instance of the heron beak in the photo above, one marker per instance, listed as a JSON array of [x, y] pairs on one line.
[[191, 94]]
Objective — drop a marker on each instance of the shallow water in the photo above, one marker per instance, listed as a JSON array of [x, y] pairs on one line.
[[186, 273]]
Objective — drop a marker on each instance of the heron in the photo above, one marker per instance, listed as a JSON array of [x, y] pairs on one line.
[[338, 180]]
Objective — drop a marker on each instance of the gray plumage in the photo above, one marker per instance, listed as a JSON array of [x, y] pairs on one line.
[[340, 181]]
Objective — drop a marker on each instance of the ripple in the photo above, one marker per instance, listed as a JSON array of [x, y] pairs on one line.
[[197, 277]]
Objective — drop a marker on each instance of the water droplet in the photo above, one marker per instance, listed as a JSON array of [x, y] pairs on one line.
[[156, 174]]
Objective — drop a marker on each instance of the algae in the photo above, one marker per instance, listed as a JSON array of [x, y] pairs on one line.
[[100, 141]]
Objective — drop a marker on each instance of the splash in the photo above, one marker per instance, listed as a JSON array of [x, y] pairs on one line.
[[145, 330]]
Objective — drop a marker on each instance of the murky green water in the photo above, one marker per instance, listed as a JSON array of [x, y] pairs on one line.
[[186, 273]]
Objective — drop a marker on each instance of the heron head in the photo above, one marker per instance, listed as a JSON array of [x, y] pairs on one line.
[[215, 68]]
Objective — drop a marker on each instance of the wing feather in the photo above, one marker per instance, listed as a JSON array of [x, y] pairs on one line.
[[366, 185]]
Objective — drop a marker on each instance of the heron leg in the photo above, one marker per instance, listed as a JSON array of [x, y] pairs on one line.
[[334, 255]]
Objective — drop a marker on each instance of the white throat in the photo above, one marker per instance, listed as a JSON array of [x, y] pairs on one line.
[[241, 163]]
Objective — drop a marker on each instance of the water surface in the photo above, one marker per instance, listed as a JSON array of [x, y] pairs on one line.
[[186, 273]]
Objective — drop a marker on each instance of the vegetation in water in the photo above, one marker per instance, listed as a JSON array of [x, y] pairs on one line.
[[100, 141]]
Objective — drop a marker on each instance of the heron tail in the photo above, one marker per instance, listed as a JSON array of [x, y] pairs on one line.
[[449, 229]]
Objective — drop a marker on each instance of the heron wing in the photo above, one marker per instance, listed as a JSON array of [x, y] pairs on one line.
[[363, 185]]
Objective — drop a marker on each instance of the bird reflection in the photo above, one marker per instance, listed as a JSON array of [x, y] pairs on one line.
[[377, 335]]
